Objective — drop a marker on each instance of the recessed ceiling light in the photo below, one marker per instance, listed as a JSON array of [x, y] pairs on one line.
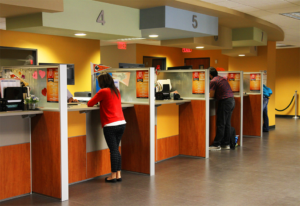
[[200, 47], [242, 55], [153, 36], [80, 34], [295, 15]]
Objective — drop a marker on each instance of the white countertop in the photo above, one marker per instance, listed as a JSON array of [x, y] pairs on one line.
[[20, 113]]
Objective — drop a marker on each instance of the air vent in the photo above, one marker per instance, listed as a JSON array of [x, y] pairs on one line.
[[294, 15], [283, 45]]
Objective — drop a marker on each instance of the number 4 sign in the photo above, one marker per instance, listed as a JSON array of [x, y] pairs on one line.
[[100, 18]]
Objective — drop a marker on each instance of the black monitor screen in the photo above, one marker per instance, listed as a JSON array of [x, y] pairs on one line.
[[13, 93], [70, 72], [181, 67], [126, 65]]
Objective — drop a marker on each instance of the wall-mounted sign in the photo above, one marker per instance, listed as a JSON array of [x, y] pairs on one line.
[[52, 85], [122, 45], [255, 82], [142, 84], [234, 81], [198, 83], [186, 50]]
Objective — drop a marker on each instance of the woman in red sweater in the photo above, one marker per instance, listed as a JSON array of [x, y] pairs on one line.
[[112, 120]]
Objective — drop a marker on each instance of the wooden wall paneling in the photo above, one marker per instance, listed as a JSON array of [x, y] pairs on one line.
[[136, 139], [77, 158], [252, 124], [14, 170], [167, 147], [192, 128], [236, 117], [46, 164]]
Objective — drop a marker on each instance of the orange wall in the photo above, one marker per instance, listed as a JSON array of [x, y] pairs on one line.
[[222, 60], [287, 79], [57, 49], [265, 60], [173, 55]]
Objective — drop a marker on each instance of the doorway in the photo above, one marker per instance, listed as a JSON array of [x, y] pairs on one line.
[[155, 61], [198, 63]]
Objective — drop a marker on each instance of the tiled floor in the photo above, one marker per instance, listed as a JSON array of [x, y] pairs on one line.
[[264, 172]]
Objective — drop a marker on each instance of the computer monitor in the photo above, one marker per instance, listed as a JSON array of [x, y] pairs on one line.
[[180, 67], [127, 65]]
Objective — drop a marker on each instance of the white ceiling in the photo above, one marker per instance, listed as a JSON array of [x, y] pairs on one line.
[[269, 10]]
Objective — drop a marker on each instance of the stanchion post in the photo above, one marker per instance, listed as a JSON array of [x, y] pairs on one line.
[[296, 106]]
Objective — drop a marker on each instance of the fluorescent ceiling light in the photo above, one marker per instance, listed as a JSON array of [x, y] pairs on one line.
[[242, 55], [80, 34], [130, 39], [200, 47], [153, 36], [294, 15]]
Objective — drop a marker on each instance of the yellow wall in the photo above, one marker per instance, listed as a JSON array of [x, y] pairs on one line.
[[167, 121], [57, 49], [287, 79], [265, 60]]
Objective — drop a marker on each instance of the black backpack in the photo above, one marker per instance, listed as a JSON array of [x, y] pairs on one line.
[[232, 138]]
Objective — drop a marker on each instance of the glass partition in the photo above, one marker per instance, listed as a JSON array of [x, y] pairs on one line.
[[133, 84], [42, 81], [190, 84], [253, 82], [235, 80]]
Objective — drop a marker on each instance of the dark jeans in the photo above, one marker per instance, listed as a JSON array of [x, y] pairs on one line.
[[265, 115], [225, 109], [113, 137]]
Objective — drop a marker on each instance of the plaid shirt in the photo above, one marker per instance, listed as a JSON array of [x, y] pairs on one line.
[[221, 87]]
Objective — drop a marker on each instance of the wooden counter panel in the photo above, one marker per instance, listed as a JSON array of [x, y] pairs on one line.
[[77, 158], [15, 170], [167, 147], [46, 166], [98, 163], [136, 139], [236, 117], [192, 128], [212, 128], [252, 115]]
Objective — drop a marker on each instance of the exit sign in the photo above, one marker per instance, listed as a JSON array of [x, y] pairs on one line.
[[186, 50], [122, 45]]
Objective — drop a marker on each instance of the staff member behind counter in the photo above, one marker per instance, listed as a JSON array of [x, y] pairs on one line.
[[112, 120], [70, 97], [221, 90]]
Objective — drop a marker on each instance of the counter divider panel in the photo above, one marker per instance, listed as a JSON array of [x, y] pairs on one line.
[[252, 124], [167, 147], [192, 128], [46, 154], [136, 139]]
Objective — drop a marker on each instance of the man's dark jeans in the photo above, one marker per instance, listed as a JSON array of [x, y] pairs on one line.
[[265, 115], [225, 109]]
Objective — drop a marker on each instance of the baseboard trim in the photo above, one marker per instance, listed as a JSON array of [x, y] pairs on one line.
[[272, 127], [284, 116]]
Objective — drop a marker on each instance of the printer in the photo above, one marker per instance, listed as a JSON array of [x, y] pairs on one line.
[[82, 96], [12, 99]]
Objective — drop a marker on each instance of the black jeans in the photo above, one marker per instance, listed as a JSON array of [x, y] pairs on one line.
[[225, 109], [113, 137], [265, 115]]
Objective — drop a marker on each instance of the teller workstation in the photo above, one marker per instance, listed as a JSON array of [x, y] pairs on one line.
[[235, 80], [47, 144]]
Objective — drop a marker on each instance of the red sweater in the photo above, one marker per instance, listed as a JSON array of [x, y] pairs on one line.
[[110, 106]]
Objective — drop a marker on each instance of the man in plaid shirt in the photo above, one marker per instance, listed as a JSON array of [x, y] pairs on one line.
[[221, 90]]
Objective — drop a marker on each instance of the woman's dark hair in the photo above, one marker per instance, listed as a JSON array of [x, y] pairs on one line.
[[213, 72], [106, 81]]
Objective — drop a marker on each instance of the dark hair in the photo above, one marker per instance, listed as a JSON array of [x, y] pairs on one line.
[[213, 72], [106, 81]]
